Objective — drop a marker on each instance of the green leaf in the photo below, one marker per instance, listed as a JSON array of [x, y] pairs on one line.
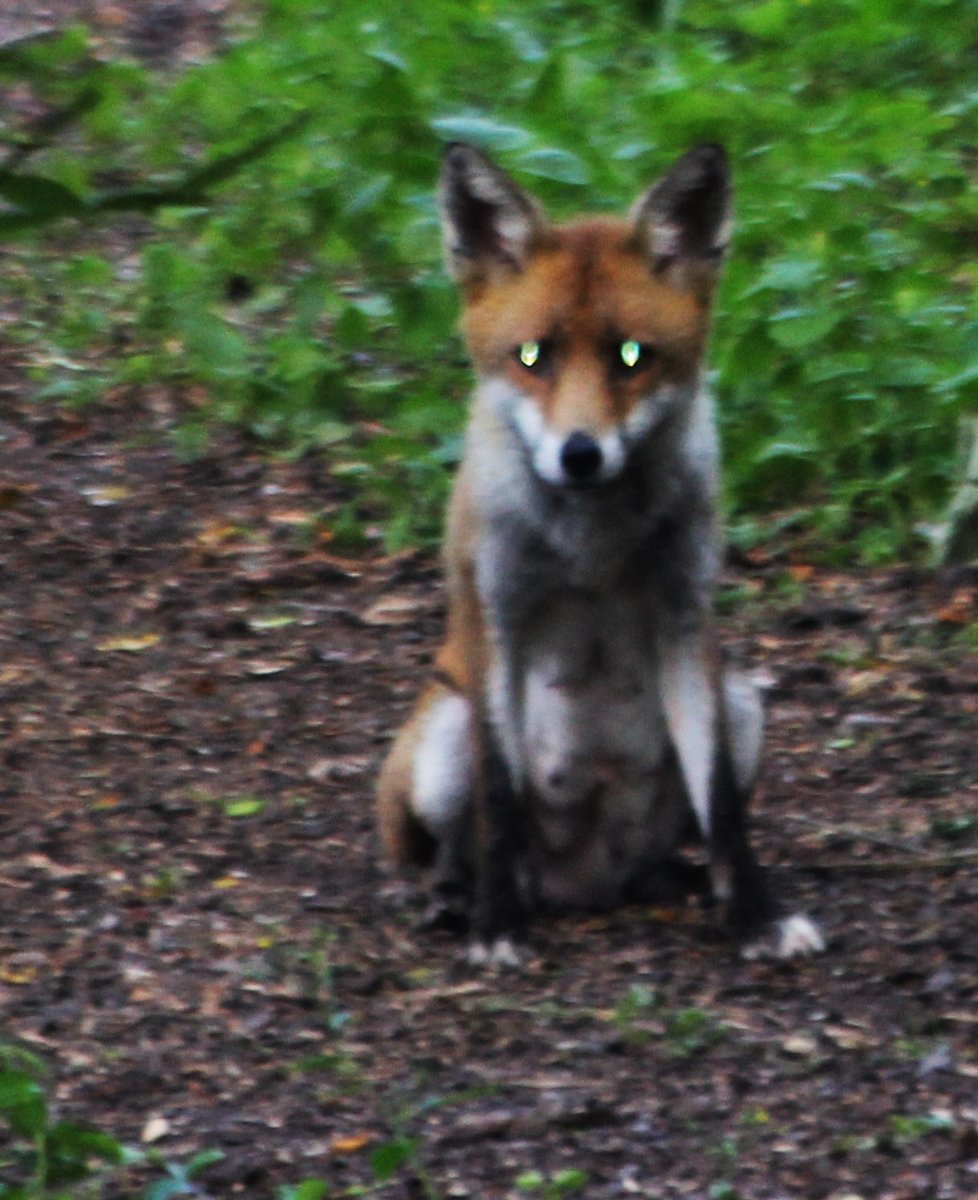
[[38, 196], [570, 1179], [203, 1159], [776, 451], [246, 806], [766, 20], [787, 274], [530, 1181], [23, 1104], [560, 165], [481, 131], [68, 1140], [796, 328], [308, 1189], [387, 1159]]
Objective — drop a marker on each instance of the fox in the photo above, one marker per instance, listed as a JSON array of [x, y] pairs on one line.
[[581, 726]]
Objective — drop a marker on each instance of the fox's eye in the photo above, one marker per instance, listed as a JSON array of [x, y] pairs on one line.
[[530, 354], [631, 354]]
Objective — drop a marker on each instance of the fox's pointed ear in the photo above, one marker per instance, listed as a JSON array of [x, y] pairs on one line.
[[488, 222], [686, 217]]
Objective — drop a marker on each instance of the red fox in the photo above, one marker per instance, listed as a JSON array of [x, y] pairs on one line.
[[581, 725]]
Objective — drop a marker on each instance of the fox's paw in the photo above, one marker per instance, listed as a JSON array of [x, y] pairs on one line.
[[796, 936], [448, 914], [501, 954]]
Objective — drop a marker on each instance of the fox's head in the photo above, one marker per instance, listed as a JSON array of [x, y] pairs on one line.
[[588, 336]]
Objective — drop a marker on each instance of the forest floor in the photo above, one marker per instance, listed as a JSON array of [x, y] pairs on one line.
[[199, 935]]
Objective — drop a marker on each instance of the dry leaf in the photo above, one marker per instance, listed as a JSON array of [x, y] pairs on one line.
[[16, 976], [102, 497], [351, 1144], [154, 1129], [847, 1038], [800, 1045], [393, 610], [130, 643]]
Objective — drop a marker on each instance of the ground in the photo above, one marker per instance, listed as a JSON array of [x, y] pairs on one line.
[[199, 935]]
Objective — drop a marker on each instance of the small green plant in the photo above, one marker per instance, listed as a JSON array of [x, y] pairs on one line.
[[308, 1189], [633, 1010], [319, 971], [723, 1190], [690, 1031], [641, 1015], [46, 1156], [566, 1182], [904, 1130], [178, 1178]]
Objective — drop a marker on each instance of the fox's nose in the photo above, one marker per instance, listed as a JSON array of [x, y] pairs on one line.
[[580, 456]]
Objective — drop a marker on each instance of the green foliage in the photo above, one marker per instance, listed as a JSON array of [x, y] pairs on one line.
[[45, 1157], [567, 1182], [641, 1015], [308, 1189], [42, 1158], [904, 1130], [288, 272], [178, 1178]]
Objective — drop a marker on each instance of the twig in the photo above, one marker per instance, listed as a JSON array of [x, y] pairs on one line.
[[886, 866], [854, 833]]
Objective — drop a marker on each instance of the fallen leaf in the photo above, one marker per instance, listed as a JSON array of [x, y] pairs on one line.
[[102, 497], [960, 609], [218, 533], [262, 624], [18, 977], [12, 493], [292, 516], [129, 643], [393, 610], [847, 1038], [264, 667], [351, 1144], [800, 1045], [154, 1129]]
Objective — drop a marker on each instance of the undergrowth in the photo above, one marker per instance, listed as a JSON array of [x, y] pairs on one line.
[[257, 232]]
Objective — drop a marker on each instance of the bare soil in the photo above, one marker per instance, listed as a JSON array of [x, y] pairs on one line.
[[199, 935]]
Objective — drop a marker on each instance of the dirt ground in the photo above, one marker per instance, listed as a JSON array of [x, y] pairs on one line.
[[199, 936]]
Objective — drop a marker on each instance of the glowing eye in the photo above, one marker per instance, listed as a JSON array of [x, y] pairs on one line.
[[630, 353], [530, 354]]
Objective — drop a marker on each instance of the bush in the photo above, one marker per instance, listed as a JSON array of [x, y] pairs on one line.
[[284, 263]]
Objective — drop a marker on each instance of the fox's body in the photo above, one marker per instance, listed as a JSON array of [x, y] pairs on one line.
[[581, 725]]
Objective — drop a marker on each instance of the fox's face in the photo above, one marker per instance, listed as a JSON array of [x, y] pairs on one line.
[[587, 337]]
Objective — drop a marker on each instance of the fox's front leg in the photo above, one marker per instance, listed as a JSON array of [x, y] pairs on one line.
[[501, 836], [710, 728], [500, 912]]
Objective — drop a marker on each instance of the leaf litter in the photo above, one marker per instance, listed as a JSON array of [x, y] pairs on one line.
[[199, 934]]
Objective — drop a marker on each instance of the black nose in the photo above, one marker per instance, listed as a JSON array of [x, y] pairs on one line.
[[580, 456]]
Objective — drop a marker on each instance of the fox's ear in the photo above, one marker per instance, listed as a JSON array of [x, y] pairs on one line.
[[488, 222], [686, 216]]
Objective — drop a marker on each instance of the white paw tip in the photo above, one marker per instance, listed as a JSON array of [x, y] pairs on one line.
[[502, 954], [797, 936]]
